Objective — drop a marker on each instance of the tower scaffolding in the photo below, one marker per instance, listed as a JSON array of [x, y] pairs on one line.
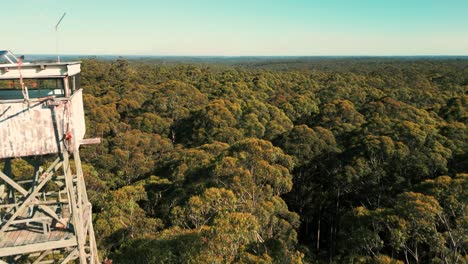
[[45, 216]]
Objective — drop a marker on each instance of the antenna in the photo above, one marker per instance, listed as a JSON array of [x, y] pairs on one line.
[[56, 37]]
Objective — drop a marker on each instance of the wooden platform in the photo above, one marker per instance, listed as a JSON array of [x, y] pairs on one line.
[[24, 241], [27, 234]]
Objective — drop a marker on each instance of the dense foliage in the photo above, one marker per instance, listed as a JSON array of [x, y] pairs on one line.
[[339, 160]]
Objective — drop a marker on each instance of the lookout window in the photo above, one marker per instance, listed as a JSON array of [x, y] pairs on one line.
[[37, 88]]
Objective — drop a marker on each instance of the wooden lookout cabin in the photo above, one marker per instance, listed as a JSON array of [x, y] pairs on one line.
[[45, 217]]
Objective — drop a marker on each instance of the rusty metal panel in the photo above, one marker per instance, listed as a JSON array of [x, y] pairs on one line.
[[40, 127]]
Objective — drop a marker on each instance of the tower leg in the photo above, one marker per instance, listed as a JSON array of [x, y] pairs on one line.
[[87, 214], [76, 211]]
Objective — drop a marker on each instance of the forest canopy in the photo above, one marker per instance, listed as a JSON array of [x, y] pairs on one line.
[[303, 161]]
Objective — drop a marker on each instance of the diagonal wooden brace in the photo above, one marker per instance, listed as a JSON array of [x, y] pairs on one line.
[[31, 197], [12, 183], [73, 255], [43, 255], [20, 189]]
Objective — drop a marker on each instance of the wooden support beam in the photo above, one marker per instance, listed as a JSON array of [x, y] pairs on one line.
[[90, 141], [20, 189], [92, 242], [26, 249], [27, 201], [77, 224], [87, 209], [28, 220], [12, 183], [43, 255], [73, 255]]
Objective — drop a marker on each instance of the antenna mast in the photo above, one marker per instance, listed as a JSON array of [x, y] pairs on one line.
[[56, 37]]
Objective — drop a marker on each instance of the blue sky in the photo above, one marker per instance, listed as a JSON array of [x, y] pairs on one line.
[[237, 27]]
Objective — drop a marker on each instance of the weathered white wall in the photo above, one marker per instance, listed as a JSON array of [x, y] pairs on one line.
[[78, 116], [27, 131]]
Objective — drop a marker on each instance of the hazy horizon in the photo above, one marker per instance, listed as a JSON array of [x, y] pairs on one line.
[[247, 56]]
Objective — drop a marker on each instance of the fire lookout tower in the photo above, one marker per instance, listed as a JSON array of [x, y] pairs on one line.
[[45, 215]]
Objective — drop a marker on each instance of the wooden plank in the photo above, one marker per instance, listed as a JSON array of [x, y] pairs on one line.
[[40, 238], [26, 249], [29, 237], [12, 238], [8, 238], [28, 220], [55, 235], [23, 234], [90, 141], [36, 237]]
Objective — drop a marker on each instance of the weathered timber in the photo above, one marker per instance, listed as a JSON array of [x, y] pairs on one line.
[[24, 249], [38, 223]]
